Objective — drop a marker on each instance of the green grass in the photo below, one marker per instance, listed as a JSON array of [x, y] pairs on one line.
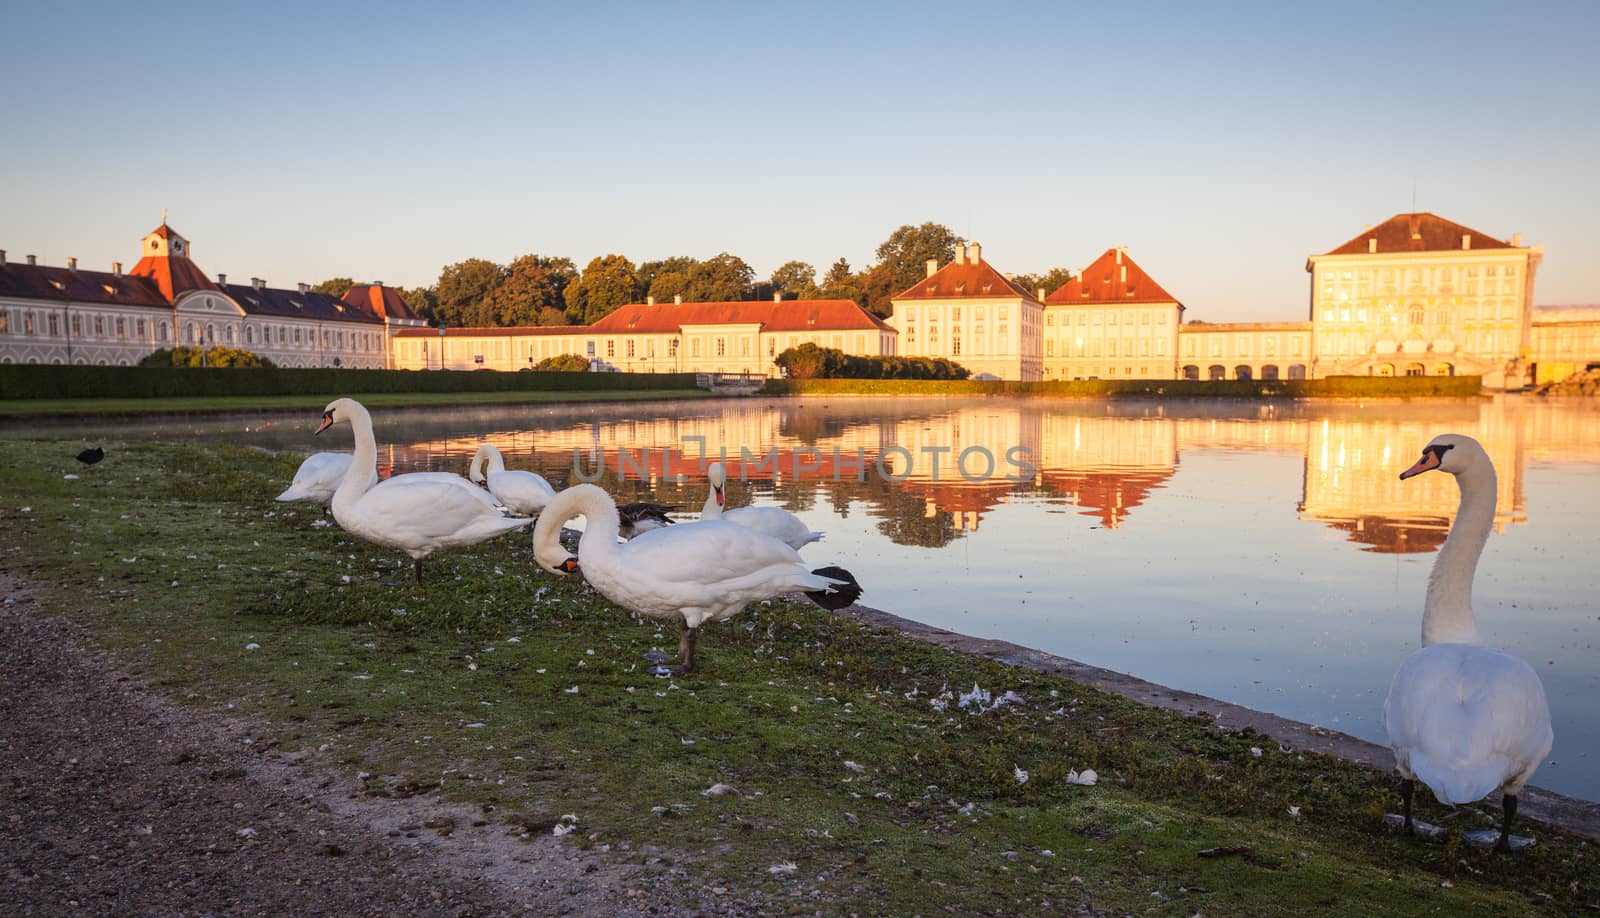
[[37, 407], [177, 558]]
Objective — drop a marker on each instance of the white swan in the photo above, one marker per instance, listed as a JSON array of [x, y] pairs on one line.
[[1462, 718], [523, 493], [776, 522], [692, 572], [419, 513], [318, 477]]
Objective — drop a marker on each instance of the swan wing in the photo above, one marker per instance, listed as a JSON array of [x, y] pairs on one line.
[[521, 492], [775, 522], [713, 557], [1466, 719], [318, 477], [423, 513]]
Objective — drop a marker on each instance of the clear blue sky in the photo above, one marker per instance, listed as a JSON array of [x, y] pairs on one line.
[[1222, 143]]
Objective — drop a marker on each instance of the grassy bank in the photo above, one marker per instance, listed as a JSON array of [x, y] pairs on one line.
[[1330, 387], [199, 404], [852, 757]]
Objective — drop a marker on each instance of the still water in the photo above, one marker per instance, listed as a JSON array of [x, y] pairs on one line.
[[1267, 555]]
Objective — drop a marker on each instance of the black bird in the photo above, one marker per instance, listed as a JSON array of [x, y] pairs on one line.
[[840, 596], [91, 456]]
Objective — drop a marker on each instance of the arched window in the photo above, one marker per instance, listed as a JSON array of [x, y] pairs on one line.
[[1414, 314], [228, 334], [1241, 372], [188, 332], [1270, 371], [1217, 371], [249, 335], [1444, 369], [162, 333], [1416, 369], [1190, 371], [1297, 371]]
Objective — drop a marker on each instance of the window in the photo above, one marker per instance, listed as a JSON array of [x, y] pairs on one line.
[[5, 322], [694, 347], [138, 328], [1414, 314], [122, 328], [162, 335], [99, 327], [744, 347], [629, 346], [27, 323], [722, 347], [955, 345], [672, 347], [55, 325], [227, 333], [1005, 312], [249, 335], [772, 346], [611, 347], [955, 313]]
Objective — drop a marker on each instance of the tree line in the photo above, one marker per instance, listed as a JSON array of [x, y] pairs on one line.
[[546, 290]]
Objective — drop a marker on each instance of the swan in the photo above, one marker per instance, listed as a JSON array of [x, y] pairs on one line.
[[1463, 718], [418, 513], [319, 476], [523, 493], [776, 522], [694, 572]]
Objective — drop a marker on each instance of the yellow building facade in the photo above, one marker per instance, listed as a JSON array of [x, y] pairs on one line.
[[968, 312], [1112, 321]]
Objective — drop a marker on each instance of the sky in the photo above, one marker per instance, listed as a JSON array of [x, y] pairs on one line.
[[1222, 143]]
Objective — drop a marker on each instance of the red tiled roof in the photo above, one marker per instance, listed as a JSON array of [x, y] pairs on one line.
[[963, 280], [163, 231], [789, 315], [42, 282], [1422, 232], [384, 301], [488, 331], [1103, 282], [173, 274]]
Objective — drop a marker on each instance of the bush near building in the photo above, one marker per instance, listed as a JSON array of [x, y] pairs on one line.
[[219, 356], [1327, 387], [564, 363], [808, 361]]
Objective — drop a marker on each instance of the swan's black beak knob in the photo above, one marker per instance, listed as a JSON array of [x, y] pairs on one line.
[[569, 566]]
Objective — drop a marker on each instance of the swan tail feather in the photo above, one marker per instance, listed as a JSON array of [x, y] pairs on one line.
[[292, 494], [843, 591], [1457, 785]]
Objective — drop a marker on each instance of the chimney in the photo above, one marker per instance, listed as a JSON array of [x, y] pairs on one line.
[[649, 301], [1516, 242], [1372, 245], [258, 283], [116, 268], [2, 256], [933, 266], [1119, 254], [777, 296], [1124, 272], [304, 288], [677, 299], [1040, 293], [222, 279], [72, 263], [974, 253], [377, 283], [33, 260], [961, 255]]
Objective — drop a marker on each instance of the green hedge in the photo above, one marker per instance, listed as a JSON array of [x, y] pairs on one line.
[[32, 381], [1330, 387]]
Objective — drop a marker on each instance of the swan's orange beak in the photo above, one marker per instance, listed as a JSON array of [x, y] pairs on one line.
[[1428, 462], [327, 421], [569, 566]]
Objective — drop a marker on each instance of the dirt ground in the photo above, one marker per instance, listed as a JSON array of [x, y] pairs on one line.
[[118, 801]]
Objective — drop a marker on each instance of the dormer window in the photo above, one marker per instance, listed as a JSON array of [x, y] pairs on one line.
[[58, 285]]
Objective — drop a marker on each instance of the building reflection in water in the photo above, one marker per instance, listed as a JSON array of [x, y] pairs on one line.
[[897, 461]]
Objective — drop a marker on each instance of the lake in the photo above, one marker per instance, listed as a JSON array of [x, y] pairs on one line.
[[1265, 554]]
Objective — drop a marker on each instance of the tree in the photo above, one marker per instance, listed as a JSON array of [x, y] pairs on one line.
[[465, 290], [907, 250], [550, 315], [1049, 281], [668, 284], [531, 285], [608, 281], [677, 264], [185, 356], [564, 363], [422, 301], [719, 278], [840, 284], [334, 286], [796, 279], [878, 286], [807, 361]]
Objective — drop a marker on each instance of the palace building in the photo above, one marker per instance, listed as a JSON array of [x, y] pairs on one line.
[[972, 314], [69, 315], [1112, 321]]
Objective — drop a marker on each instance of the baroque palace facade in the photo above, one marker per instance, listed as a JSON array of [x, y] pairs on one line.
[[68, 315], [1414, 295]]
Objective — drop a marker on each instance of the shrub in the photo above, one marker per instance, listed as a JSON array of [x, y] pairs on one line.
[[185, 356], [808, 361], [564, 363], [1330, 387]]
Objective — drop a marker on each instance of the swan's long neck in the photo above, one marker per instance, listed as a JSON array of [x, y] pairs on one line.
[[487, 452], [601, 529], [712, 510], [363, 464], [1447, 615]]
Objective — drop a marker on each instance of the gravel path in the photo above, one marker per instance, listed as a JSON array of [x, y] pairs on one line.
[[120, 802]]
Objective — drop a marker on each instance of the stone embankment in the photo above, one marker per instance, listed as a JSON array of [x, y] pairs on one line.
[[1585, 384]]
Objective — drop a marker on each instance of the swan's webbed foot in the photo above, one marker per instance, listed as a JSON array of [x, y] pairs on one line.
[[657, 656], [663, 670]]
